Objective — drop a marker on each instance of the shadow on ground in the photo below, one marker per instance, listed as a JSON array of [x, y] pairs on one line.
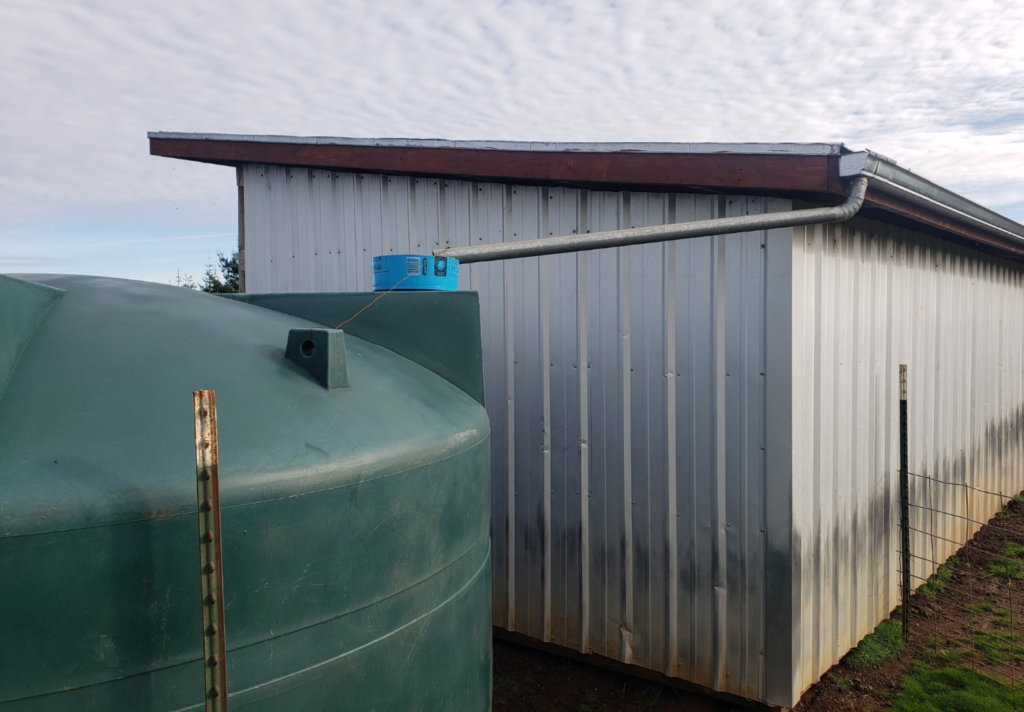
[[527, 680]]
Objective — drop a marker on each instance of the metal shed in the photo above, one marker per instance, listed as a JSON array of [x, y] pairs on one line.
[[694, 442]]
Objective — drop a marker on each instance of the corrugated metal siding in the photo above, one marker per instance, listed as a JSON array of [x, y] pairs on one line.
[[671, 422], [626, 390], [866, 298]]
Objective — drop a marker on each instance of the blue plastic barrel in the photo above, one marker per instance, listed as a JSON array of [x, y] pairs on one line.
[[423, 272]]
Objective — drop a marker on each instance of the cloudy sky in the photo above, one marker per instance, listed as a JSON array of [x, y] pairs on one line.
[[936, 84]]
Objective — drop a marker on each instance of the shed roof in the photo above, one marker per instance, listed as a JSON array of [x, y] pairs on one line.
[[803, 171]]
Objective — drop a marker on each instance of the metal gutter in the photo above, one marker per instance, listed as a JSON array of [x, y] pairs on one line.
[[885, 176], [661, 233]]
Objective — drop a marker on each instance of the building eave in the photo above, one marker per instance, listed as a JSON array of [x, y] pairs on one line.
[[808, 172]]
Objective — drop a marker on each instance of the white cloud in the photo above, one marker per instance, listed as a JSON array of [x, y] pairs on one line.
[[936, 85]]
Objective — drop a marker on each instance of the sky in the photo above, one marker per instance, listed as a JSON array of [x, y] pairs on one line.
[[937, 85]]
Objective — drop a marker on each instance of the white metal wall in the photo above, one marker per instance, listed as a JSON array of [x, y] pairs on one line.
[[866, 298], [626, 390], [694, 443]]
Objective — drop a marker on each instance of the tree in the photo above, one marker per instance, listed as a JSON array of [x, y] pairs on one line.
[[229, 268], [227, 281], [185, 280]]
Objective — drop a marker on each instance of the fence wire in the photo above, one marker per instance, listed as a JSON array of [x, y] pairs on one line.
[[970, 611]]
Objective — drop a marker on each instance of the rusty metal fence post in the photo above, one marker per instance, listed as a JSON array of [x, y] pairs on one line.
[[210, 554], [904, 508]]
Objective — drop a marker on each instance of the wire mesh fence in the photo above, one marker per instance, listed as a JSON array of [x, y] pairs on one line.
[[961, 578], [970, 612]]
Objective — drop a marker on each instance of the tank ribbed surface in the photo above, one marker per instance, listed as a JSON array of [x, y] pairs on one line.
[[356, 547]]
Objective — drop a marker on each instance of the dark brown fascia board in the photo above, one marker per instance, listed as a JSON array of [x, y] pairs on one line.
[[811, 178], [751, 172], [879, 205]]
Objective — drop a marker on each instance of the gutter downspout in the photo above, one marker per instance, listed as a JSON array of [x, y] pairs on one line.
[[661, 233]]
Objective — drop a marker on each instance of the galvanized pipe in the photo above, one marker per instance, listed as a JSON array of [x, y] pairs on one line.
[[660, 233]]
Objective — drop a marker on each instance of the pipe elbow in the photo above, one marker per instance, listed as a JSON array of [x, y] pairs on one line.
[[858, 189]]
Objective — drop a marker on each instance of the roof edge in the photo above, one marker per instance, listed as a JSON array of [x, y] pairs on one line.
[[632, 170], [799, 149], [814, 172]]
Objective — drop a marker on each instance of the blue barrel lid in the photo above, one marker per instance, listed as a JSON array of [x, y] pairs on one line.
[[411, 272]]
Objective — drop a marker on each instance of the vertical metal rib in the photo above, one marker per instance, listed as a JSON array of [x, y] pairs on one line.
[[583, 372], [626, 628], [719, 546], [510, 402], [672, 521], [545, 378]]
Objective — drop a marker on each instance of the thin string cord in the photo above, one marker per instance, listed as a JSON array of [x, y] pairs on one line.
[[373, 302]]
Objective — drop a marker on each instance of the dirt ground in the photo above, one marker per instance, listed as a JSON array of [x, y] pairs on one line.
[[965, 616], [867, 689], [971, 616], [528, 680]]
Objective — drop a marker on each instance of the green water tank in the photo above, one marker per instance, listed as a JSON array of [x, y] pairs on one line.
[[355, 518]]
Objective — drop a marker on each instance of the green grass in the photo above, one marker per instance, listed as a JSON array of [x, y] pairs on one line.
[[996, 645], [939, 651], [983, 608], [502, 686], [1015, 549], [1006, 569], [652, 696], [1001, 618], [934, 683], [885, 644], [841, 682], [953, 690], [938, 581], [1009, 568], [948, 656], [588, 704], [1005, 512]]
